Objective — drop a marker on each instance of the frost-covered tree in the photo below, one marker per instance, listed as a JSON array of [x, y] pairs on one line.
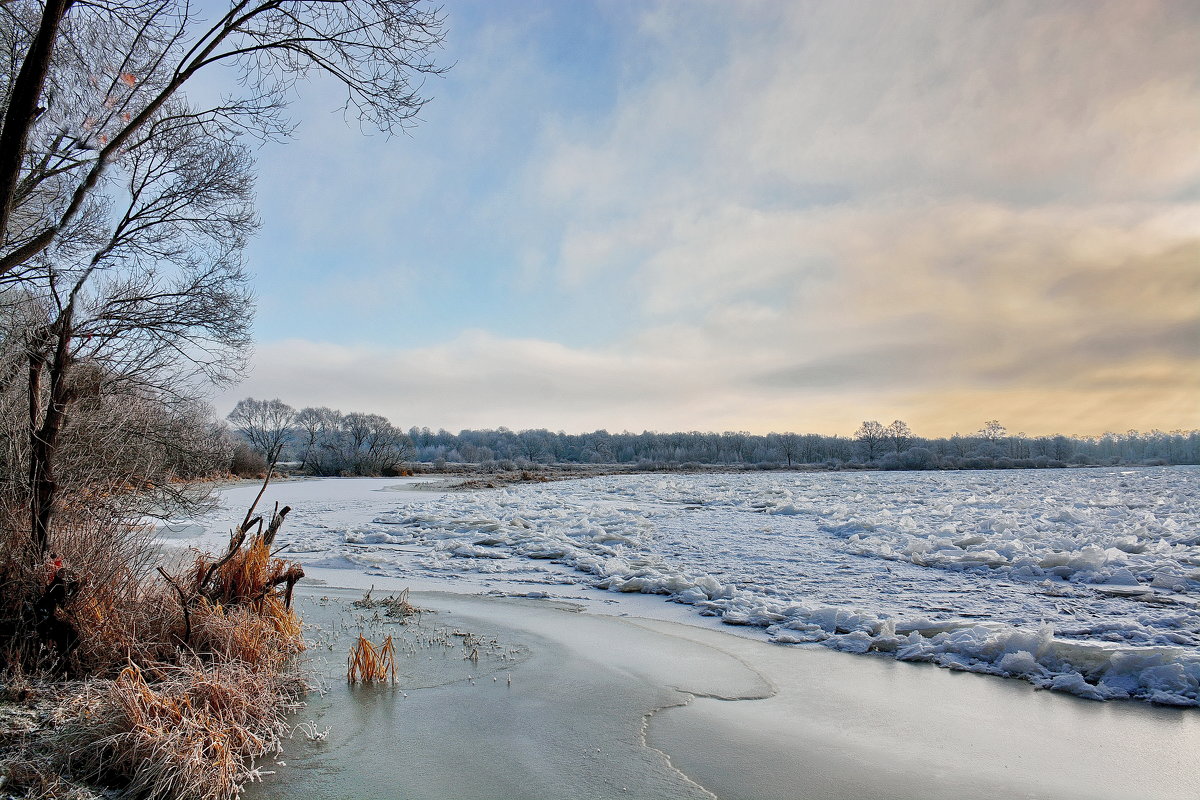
[[789, 446], [333, 443], [899, 434], [86, 82], [124, 204], [147, 291], [313, 426], [266, 425], [870, 437], [993, 431]]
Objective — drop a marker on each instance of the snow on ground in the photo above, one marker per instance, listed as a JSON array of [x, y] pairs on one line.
[[1082, 580]]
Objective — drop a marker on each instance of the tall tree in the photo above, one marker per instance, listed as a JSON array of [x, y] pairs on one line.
[[993, 431], [899, 434], [124, 207], [88, 78], [149, 294], [790, 446], [266, 424], [870, 435], [314, 426]]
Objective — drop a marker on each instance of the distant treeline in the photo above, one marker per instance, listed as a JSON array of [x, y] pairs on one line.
[[327, 442], [994, 450]]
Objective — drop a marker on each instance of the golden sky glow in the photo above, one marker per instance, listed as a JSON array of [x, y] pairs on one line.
[[778, 216]]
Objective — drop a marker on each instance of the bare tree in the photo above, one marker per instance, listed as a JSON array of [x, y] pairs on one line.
[[124, 209], [533, 445], [122, 453], [372, 445], [871, 435], [151, 302], [89, 78], [314, 425], [900, 435], [790, 446], [266, 424], [354, 443], [993, 431]]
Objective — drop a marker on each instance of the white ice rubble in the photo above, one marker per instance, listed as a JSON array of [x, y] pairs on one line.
[[1081, 580]]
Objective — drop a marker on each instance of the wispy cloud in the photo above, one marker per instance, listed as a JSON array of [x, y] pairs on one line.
[[766, 215]]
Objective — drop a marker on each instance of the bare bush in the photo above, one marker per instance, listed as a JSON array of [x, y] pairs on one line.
[[246, 462]]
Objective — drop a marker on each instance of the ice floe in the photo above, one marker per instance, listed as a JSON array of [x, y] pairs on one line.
[[1081, 580]]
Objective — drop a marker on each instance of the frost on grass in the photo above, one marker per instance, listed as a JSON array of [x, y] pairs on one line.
[[194, 730]]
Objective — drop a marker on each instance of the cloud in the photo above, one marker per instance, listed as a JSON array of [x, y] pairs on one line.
[[1027, 101], [800, 215], [474, 380], [479, 380]]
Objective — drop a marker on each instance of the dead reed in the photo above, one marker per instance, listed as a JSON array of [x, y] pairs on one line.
[[370, 664], [396, 606]]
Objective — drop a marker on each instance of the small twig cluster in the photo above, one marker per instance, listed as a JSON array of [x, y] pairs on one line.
[[397, 606], [311, 732]]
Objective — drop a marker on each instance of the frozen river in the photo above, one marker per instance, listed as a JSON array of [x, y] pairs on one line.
[[1082, 580]]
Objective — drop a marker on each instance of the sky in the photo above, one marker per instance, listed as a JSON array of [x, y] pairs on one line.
[[760, 216]]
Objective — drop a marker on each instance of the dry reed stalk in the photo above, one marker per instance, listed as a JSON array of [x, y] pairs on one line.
[[369, 664], [266, 637]]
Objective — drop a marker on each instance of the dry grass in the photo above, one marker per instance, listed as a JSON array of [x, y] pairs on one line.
[[267, 637], [141, 623], [39, 779], [110, 560], [190, 730], [243, 579], [190, 678], [370, 664]]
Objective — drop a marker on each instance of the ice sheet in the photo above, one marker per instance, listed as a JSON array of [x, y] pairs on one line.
[[596, 708], [1082, 580]]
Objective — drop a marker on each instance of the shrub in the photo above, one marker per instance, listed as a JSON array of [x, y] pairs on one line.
[[247, 462]]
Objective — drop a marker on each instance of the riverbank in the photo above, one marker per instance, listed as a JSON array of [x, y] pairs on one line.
[[567, 690], [566, 703]]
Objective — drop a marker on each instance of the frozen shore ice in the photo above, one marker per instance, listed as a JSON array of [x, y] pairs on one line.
[[611, 707], [1084, 581]]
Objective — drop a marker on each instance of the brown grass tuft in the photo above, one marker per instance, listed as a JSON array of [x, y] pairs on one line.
[[370, 664], [179, 730]]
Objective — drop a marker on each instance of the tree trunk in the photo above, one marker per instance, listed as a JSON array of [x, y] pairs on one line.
[[37, 363], [23, 109], [43, 486]]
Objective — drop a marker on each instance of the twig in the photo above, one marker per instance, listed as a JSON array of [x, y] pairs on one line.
[[254, 505], [183, 602], [235, 544]]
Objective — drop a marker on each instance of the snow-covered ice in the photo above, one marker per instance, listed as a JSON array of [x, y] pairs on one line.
[[1081, 580]]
